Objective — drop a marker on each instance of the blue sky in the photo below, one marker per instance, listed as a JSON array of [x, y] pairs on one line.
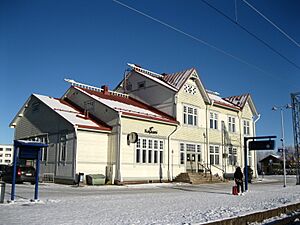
[[43, 42]]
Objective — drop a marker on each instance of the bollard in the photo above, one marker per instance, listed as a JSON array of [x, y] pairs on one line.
[[2, 191]]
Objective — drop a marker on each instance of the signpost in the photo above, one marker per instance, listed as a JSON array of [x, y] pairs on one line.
[[27, 150], [256, 145]]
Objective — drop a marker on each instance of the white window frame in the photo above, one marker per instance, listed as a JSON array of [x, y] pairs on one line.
[[246, 127], [232, 124], [213, 120], [190, 115], [232, 156], [214, 155], [149, 151], [187, 147]]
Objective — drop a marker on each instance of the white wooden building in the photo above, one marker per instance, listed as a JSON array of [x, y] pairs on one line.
[[179, 126]]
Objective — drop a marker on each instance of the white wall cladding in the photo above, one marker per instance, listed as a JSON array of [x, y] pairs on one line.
[[92, 157], [130, 169]]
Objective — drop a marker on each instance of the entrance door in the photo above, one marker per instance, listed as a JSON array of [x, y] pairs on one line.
[[191, 164]]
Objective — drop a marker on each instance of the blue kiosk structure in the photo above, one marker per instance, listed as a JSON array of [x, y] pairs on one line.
[[27, 150]]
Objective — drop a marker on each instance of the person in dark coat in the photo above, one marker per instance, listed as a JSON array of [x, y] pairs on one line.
[[238, 178]]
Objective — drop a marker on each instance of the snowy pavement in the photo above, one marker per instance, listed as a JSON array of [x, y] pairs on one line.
[[144, 204]]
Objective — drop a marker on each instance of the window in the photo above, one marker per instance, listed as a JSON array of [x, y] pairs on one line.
[[1, 149], [149, 151], [7, 161], [192, 152], [161, 153], [149, 156], [214, 155], [141, 84], [161, 159], [190, 115], [144, 156], [232, 156], [8, 149], [213, 122], [246, 127], [137, 155], [190, 148], [150, 144], [1, 155], [231, 124], [7, 155], [144, 143], [199, 153], [155, 156], [63, 148], [182, 153], [191, 89]]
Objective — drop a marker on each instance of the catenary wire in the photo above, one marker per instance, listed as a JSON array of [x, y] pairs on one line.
[[253, 35], [272, 23], [202, 41]]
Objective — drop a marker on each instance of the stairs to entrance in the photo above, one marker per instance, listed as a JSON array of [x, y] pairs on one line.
[[197, 178]]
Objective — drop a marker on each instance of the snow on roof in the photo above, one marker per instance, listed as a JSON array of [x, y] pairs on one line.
[[70, 113], [128, 106], [271, 156], [218, 100]]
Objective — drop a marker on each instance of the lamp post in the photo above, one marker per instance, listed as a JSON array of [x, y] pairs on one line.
[[275, 108]]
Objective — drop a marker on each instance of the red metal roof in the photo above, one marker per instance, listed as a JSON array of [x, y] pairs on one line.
[[178, 79], [238, 100]]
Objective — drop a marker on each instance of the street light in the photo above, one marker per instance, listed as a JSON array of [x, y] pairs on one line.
[[275, 108]]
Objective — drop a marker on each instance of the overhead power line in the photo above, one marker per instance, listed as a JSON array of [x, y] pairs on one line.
[[253, 35], [272, 23], [198, 40]]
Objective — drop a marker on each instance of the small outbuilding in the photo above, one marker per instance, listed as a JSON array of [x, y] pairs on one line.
[[272, 164]]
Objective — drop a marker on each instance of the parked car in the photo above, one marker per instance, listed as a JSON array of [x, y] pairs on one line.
[[2, 170], [24, 174]]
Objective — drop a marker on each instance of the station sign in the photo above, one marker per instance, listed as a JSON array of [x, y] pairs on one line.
[[262, 145]]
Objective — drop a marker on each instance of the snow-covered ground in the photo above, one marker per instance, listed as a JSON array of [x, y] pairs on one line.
[[143, 204]]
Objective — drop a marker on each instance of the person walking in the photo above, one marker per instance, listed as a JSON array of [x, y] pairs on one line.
[[238, 178]]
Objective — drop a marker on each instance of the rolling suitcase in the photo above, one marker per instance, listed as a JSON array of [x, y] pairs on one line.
[[234, 190]]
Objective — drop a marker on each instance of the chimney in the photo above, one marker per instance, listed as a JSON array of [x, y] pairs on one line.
[[105, 89]]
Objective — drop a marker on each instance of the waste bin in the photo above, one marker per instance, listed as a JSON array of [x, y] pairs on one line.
[[80, 177], [2, 191], [95, 179]]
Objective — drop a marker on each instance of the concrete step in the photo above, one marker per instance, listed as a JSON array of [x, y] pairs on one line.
[[197, 178]]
